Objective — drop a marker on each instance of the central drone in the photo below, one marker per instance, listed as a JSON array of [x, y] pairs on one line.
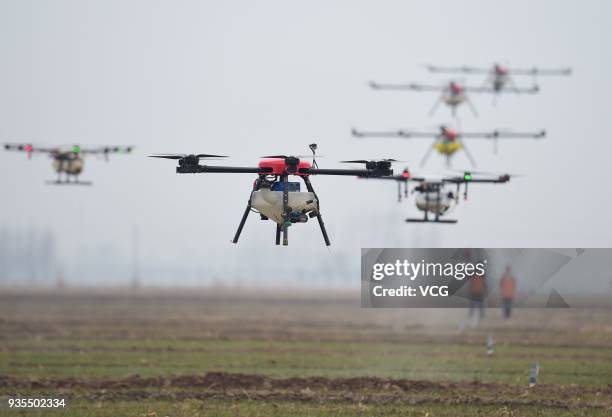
[[273, 196]]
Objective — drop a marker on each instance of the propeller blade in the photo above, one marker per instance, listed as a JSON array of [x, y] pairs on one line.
[[168, 156], [182, 155], [363, 161], [356, 161], [206, 155]]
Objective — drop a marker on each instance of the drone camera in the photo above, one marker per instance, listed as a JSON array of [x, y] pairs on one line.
[[298, 218]]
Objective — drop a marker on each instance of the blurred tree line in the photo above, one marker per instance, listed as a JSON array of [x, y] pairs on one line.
[[27, 256]]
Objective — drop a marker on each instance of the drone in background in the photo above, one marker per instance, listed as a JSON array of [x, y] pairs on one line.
[[273, 196], [500, 77], [68, 161], [453, 94], [433, 195], [449, 141]]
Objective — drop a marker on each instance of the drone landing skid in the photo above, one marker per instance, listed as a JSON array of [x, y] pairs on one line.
[[449, 221], [68, 182]]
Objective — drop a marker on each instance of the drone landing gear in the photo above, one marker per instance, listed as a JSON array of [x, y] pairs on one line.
[[425, 219], [286, 210], [67, 181], [319, 218], [242, 221], [450, 221], [246, 211], [59, 182]]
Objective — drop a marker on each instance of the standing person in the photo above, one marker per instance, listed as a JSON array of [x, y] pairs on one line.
[[507, 291], [478, 289]]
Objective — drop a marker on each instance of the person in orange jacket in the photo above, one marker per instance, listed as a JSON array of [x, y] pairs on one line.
[[507, 292]]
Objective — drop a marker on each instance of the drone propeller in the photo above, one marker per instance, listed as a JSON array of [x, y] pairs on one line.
[[383, 165], [187, 160], [182, 155], [364, 161]]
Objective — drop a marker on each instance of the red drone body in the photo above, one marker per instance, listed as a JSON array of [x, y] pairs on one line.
[[279, 166]]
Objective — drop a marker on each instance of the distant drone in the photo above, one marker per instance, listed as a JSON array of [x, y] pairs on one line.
[[500, 77], [432, 195], [448, 141], [68, 161], [453, 94], [273, 196]]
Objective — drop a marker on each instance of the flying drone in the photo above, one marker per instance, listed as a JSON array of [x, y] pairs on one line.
[[448, 141], [453, 94], [68, 161], [272, 195], [433, 196], [500, 77]]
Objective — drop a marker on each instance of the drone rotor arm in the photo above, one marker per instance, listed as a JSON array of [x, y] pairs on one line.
[[365, 173], [538, 71], [520, 135], [477, 135], [462, 69], [404, 134], [204, 169], [465, 179], [411, 86], [105, 150], [28, 148], [481, 89]]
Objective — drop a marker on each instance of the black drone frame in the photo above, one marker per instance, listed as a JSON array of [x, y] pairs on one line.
[[189, 164]]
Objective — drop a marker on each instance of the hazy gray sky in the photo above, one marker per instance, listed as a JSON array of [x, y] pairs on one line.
[[249, 78]]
